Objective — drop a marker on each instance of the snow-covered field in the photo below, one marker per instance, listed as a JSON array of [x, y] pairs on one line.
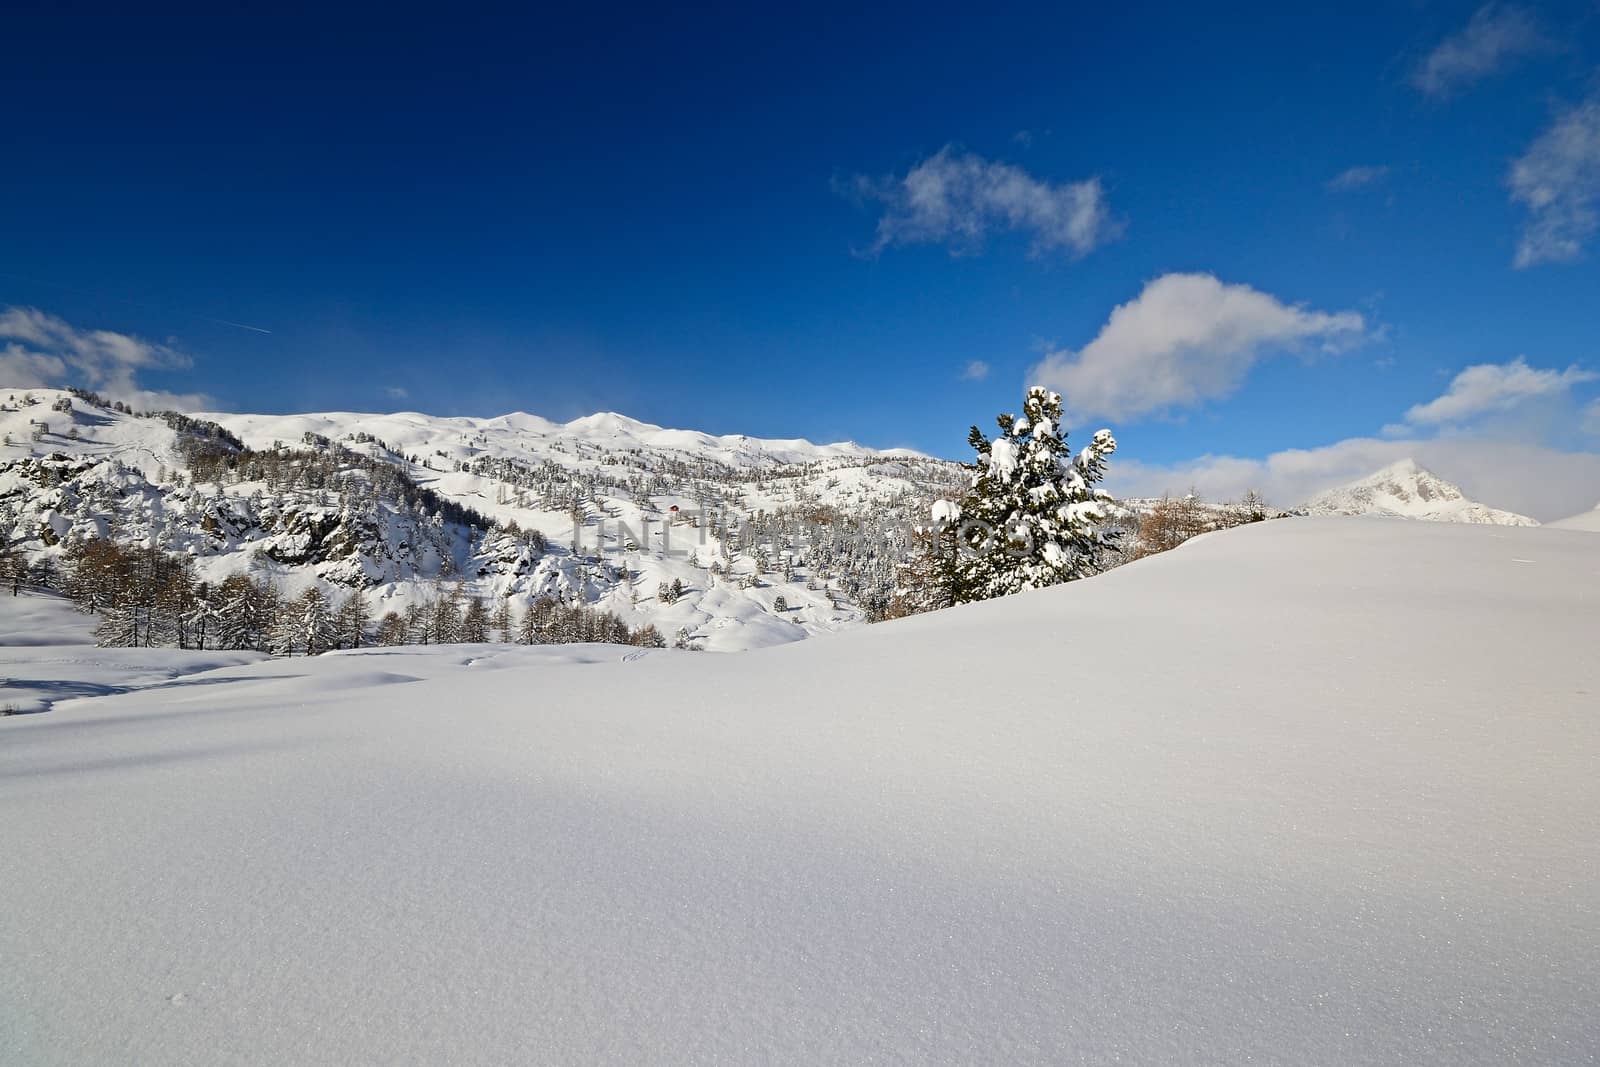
[[47, 654], [1313, 791]]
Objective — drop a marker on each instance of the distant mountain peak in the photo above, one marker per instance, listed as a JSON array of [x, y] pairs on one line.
[[1406, 489]]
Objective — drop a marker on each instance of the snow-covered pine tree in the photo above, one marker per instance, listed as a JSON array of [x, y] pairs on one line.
[[1030, 518], [198, 622], [528, 627], [310, 623], [447, 615]]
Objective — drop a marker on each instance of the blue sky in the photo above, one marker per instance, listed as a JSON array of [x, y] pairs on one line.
[[816, 223]]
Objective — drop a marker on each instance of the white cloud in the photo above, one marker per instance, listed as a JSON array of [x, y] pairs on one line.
[[396, 392], [1591, 418], [1531, 479], [1357, 178], [976, 371], [1558, 181], [958, 199], [1496, 36], [1184, 339], [1503, 462], [1494, 387], [43, 351]]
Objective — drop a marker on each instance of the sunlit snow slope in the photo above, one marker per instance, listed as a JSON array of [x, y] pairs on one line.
[[1587, 520], [1310, 791]]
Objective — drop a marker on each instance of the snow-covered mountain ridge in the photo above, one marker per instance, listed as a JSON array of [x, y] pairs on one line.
[[768, 540], [1407, 490], [532, 436]]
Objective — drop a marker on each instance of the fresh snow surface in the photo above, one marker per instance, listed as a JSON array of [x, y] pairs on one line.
[[47, 654], [1408, 491], [1298, 792]]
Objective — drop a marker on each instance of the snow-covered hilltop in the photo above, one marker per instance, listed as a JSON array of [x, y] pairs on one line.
[[1586, 520], [1409, 491], [728, 542]]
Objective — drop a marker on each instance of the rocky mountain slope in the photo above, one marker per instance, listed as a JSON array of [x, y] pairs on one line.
[[733, 542]]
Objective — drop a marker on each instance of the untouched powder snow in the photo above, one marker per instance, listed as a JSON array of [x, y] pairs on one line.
[[48, 654], [1409, 491], [1300, 792]]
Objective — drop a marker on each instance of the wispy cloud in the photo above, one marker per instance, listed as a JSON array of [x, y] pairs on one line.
[[1357, 178], [1496, 36], [1558, 181], [1490, 388], [396, 392], [43, 351], [1184, 339], [959, 199], [976, 371]]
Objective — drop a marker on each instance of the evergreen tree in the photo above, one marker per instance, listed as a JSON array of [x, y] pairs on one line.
[[475, 622], [248, 616], [313, 622], [528, 627], [447, 617], [200, 617], [419, 623], [1030, 518], [11, 568]]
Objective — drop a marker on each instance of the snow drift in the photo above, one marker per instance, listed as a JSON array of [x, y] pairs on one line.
[[1305, 791]]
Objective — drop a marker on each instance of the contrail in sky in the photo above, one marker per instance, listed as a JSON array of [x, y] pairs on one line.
[[134, 303], [240, 325]]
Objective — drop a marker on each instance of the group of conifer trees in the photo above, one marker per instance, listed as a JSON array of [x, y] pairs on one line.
[[145, 597]]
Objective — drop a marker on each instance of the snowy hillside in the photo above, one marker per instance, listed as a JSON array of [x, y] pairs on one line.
[[1407, 490], [768, 541], [1588, 520], [1217, 806], [48, 655]]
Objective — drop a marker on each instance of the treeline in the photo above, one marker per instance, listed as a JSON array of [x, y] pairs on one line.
[[1166, 523], [455, 617], [329, 467], [147, 598]]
